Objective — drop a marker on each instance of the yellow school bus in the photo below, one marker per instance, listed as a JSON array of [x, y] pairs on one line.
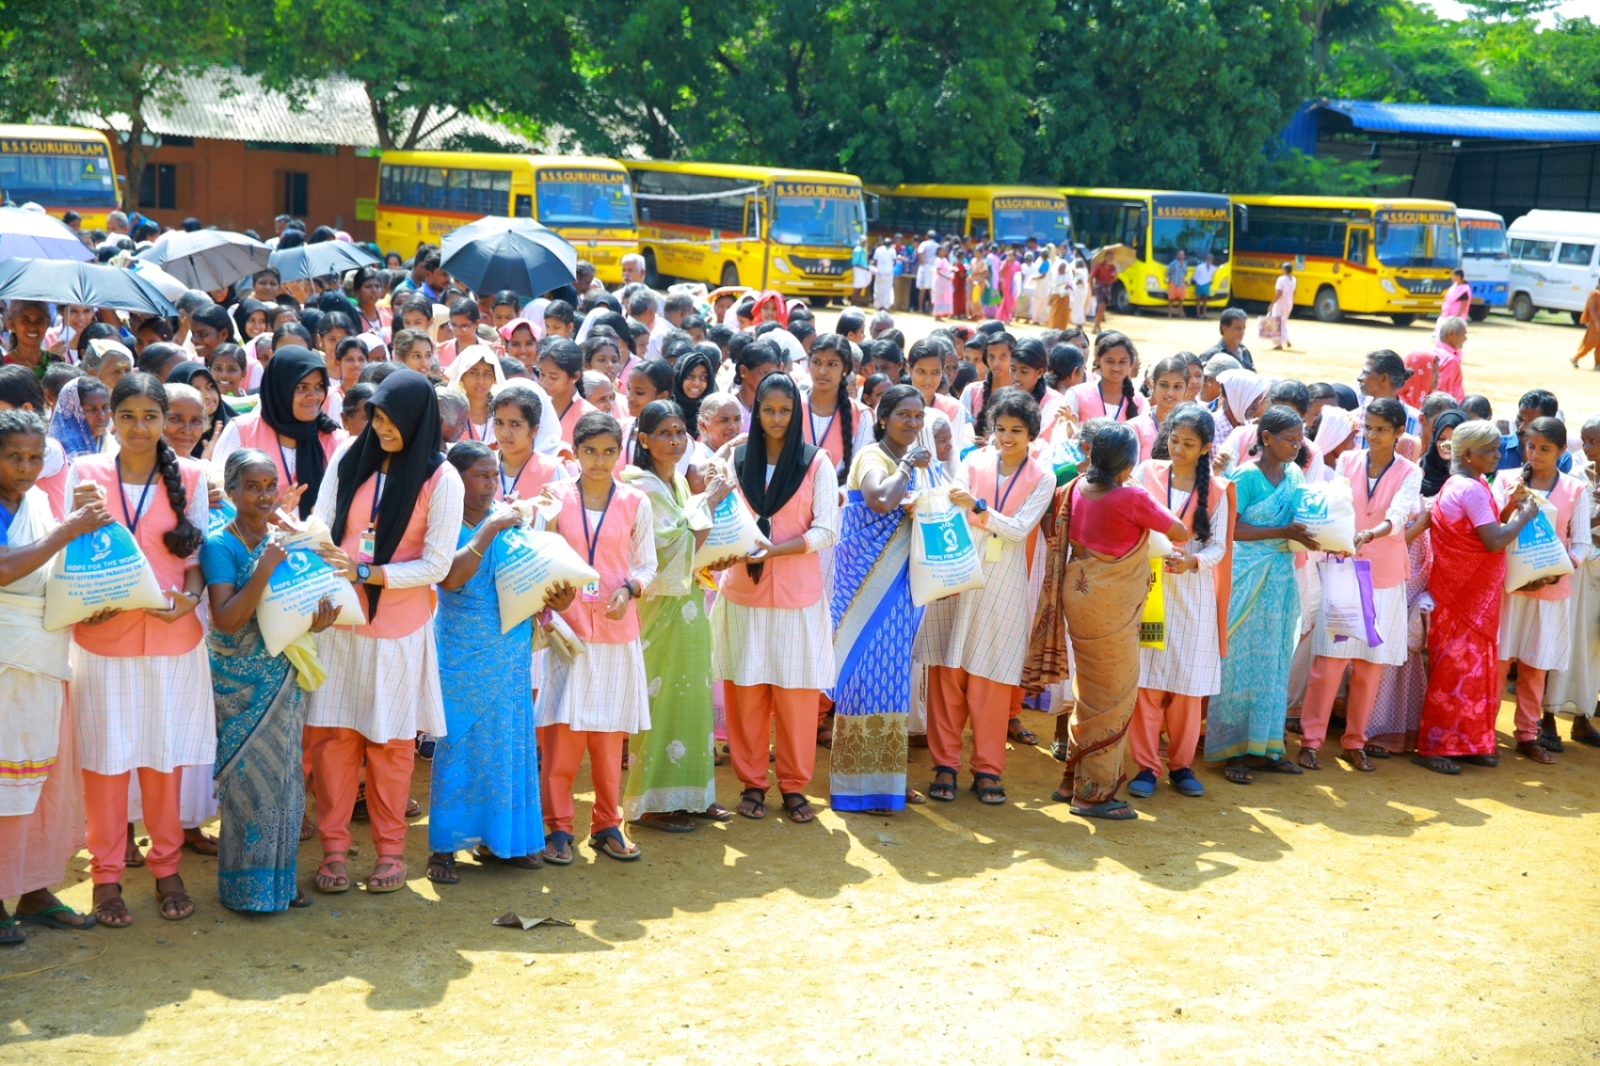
[[1351, 254], [1009, 214], [766, 227], [1155, 225], [60, 168], [424, 195]]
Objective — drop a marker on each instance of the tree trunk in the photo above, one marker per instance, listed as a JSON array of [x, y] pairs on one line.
[[135, 153]]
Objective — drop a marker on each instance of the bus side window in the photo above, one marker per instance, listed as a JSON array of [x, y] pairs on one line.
[[524, 205], [980, 228], [752, 219], [1358, 247]]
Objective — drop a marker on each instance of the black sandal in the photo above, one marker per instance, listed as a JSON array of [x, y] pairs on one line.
[[1280, 765], [1016, 731], [1239, 774], [1439, 764], [794, 809], [993, 794], [757, 798], [448, 866], [1378, 751], [944, 793], [1551, 742]]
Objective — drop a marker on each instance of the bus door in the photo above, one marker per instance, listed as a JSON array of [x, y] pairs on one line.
[[1133, 220], [1355, 273], [978, 224]]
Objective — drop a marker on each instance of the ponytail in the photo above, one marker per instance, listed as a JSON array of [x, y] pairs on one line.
[[184, 539]]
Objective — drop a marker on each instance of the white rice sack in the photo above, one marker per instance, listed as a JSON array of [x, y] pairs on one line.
[[531, 563], [295, 588], [1160, 546], [1328, 511], [103, 568], [1538, 551], [945, 559], [733, 531]]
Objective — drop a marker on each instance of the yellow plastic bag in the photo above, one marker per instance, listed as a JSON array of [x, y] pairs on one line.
[[1153, 622]]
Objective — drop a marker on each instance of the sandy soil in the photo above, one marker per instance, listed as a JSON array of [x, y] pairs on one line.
[[1331, 918]]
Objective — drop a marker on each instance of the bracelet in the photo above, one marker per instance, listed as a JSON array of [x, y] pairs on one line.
[[473, 550]]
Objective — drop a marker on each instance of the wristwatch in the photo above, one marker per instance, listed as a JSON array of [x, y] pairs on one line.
[[363, 572], [979, 507]]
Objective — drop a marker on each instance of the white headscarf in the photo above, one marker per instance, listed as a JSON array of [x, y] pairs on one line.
[[1241, 388], [933, 418], [1337, 427], [471, 356]]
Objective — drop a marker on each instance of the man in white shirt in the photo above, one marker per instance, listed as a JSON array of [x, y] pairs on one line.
[[883, 275], [642, 307], [927, 251], [1203, 273]]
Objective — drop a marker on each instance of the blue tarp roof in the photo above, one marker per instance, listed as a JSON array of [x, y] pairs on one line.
[[1449, 120]]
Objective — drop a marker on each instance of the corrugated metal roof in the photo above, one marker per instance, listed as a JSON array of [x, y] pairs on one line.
[[1501, 123], [227, 105]]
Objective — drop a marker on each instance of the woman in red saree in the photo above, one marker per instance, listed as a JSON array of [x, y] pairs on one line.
[[1469, 569]]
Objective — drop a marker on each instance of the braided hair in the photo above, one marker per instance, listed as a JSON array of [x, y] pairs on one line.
[[1030, 353], [834, 342], [1106, 342], [1197, 420], [185, 538], [994, 339]]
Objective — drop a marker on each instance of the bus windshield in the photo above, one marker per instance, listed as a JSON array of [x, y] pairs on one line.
[[1483, 239], [63, 174], [585, 198], [1197, 229], [1016, 219], [1417, 239], [823, 220]]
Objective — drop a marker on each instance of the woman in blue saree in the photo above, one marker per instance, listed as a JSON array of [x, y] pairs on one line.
[[874, 620], [1246, 718], [260, 707], [485, 781]]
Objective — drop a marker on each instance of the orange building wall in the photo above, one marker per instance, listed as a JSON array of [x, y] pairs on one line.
[[235, 188]]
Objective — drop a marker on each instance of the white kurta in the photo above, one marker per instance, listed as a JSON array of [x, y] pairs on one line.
[[388, 688], [1190, 664], [1535, 632], [1388, 604], [985, 631]]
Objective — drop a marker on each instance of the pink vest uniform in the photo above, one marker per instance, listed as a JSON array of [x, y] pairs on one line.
[[1145, 428], [788, 582], [54, 487], [401, 612], [134, 633], [613, 558], [1157, 478], [531, 479], [1092, 405], [1564, 497], [982, 475], [832, 440], [576, 410], [1391, 562], [949, 405], [255, 433]]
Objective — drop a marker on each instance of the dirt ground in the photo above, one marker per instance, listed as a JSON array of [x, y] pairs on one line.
[[1336, 917]]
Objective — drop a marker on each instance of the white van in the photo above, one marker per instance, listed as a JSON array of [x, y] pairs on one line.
[[1555, 261], [1484, 260]]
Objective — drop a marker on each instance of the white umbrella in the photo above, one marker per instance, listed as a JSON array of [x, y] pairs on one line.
[[207, 259], [165, 283], [36, 235]]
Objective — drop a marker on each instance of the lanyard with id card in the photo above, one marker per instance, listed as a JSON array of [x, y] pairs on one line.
[[994, 546], [369, 536], [590, 593]]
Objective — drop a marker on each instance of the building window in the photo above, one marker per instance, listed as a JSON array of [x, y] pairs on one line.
[[165, 186], [293, 198]]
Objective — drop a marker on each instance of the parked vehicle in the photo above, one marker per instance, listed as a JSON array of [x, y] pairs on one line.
[[1553, 262]]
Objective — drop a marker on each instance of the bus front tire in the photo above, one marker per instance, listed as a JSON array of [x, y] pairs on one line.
[[730, 275], [1478, 312], [1326, 305], [1522, 308], [1119, 300], [1403, 320]]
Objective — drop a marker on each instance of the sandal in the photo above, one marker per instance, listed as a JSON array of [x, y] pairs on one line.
[[1280, 765], [1552, 742], [560, 842], [396, 865], [201, 843], [944, 792], [442, 869], [1309, 760], [530, 861], [714, 813], [177, 898], [756, 800], [1058, 751], [1535, 751], [1490, 761], [1358, 759], [329, 882], [301, 901], [111, 911], [1291, 725], [611, 843], [1239, 774], [1437, 763], [1016, 731], [993, 794], [413, 809], [799, 812], [9, 937], [1378, 751], [666, 822], [1110, 810], [47, 918], [913, 797]]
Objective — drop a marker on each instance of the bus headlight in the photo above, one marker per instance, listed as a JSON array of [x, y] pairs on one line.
[[1152, 283], [1388, 287], [781, 263]]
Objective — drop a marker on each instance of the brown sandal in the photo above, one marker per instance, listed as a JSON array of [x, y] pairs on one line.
[[1357, 758], [176, 897], [1535, 751], [111, 911], [1309, 759]]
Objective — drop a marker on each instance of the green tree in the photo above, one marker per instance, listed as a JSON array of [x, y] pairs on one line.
[[109, 63], [424, 64]]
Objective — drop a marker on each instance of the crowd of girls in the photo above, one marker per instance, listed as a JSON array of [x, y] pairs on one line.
[[1067, 461]]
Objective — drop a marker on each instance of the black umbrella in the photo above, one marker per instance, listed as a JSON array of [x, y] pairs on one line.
[[497, 253], [63, 281], [307, 261], [207, 259]]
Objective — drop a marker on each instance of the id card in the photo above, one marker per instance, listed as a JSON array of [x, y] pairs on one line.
[[992, 550], [366, 547], [591, 592]]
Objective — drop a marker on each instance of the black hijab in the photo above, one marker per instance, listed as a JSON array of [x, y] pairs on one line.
[[184, 374], [409, 401], [1436, 468], [688, 405], [242, 313], [768, 498], [1347, 397], [289, 366]]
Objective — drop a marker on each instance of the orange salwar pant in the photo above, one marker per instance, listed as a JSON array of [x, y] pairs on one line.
[[1181, 716], [105, 797], [1323, 686], [336, 778], [956, 697], [1530, 695], [561, 753], [751, 710]]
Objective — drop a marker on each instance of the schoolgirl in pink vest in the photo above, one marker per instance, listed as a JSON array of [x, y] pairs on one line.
[[1386, 487], [1111, 395], [141, 688], [523, 472], [393, 506], [831, 420], [594, 702], [1535, 624], [290, 425], [1169, 383], [772, 640]]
